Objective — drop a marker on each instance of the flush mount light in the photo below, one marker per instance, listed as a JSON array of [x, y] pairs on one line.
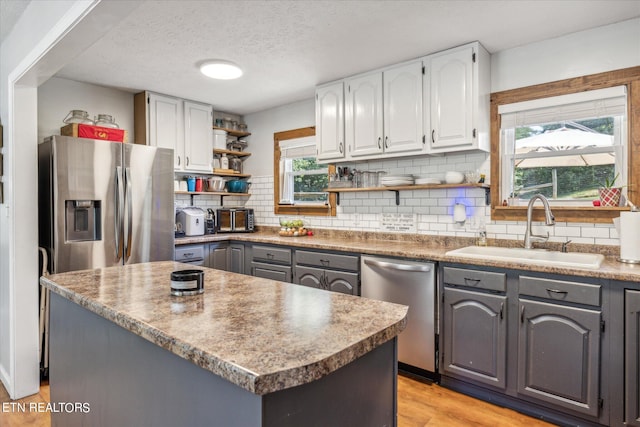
[[222, 70]]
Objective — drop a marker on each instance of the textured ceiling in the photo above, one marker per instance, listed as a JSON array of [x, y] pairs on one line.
[[288, 47]]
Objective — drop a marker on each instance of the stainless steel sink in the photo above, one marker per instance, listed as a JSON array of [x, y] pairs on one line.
[[530, 256]]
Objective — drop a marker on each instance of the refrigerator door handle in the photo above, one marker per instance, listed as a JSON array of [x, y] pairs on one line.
[[118, 216], [129, 207]]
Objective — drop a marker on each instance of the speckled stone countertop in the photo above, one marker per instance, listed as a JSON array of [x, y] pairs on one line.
[[260, 334], [423, 247]]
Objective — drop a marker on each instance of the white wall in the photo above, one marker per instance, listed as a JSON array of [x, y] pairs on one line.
[[264, 124], [57, 96], [18, 254], [47, 36], [598, 50]]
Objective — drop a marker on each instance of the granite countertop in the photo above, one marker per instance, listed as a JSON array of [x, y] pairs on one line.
[[259, 334], [421, 247]]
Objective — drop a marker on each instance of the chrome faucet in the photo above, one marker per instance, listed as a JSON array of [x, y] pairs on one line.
[[529, 237]]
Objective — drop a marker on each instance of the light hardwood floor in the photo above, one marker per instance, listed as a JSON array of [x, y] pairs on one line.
[[419, 404]]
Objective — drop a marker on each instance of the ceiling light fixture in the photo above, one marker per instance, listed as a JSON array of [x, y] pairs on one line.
[[222, 70]]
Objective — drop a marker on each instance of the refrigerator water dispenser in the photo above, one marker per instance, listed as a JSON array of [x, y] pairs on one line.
[[82, 219]]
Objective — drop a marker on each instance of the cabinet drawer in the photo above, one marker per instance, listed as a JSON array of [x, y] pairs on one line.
[[189, 253], [325, 260], [270, 271], [475, 279], [560, 290], [271, 254]]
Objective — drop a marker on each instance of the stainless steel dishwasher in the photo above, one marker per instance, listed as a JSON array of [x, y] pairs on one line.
[[409, 283]]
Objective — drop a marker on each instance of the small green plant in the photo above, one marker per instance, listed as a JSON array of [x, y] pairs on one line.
[[610, 184]]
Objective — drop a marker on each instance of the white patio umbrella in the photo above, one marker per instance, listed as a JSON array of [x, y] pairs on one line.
[[558, 148]]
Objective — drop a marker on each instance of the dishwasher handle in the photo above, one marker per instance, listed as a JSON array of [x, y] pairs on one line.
[[395, 266]]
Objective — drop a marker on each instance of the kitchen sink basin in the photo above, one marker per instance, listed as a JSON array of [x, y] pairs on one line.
[[530, 256]]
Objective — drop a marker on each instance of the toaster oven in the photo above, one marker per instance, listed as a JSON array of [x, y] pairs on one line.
[[235, 220]]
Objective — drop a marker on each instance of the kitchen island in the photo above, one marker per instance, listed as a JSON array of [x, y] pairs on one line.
[[246, 352]]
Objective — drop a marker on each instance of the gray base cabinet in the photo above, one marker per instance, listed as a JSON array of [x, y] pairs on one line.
[[329, 271], [236, 258], [632, 357], [476, 331], [218, 253], [534, 341], [271, 262], [559, 355]]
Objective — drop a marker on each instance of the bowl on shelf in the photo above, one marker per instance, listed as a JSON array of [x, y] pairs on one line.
[[215, 183], [238, 186], [453, 177]]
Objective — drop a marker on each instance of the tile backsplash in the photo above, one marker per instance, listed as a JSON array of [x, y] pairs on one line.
[[432, 209]]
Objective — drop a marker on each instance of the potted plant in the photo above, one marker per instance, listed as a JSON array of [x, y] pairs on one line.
[[610, 195]]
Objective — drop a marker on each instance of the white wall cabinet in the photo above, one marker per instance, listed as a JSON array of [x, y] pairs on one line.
[[184, 126], [330, 122], [364, 128], [383, 112], [457, 87], [198, 136], [433, 105], [403, 109]]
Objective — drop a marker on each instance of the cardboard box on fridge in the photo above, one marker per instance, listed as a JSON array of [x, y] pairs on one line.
[[94, 132]]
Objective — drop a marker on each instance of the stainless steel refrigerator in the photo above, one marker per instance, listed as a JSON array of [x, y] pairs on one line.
[[102, 204]]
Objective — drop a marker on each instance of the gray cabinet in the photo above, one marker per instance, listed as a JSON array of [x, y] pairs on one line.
[[537, 341], [475, 326], [235, 258], [271, 262], [329, 271], [218, 253], [559, 355], [226, 256], [191, 254], [632, 357], [559, 344]]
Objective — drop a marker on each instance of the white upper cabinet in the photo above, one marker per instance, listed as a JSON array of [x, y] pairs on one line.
[[184, 126], [364, 130], [403, 109], [330, 122], [457, 85], [384, 113], [198, 137], [165, 125]]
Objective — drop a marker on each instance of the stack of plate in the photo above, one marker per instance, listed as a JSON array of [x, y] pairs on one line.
[[393, 180]]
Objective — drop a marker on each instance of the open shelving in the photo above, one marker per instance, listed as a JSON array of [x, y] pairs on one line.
[[398, 188]]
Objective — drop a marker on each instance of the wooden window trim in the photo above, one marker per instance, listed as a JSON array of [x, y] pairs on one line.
[[630, 77], [296, 209]]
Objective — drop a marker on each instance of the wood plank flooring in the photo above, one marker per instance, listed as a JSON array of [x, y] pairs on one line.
[[419, 405]]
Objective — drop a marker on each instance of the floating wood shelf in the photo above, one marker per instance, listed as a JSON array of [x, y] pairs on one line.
[[232, 132], [398, 188]]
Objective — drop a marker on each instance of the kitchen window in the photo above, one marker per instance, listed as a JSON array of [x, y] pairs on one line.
[[564, 139], [299, 180], [564, 147]]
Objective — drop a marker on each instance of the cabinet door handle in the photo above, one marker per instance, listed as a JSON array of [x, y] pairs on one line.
[[178, 160], [471, 282], [501, 310], [379, 142], [522, 314], [187, 161], [341, 148], [433, 135], [386, 142]]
